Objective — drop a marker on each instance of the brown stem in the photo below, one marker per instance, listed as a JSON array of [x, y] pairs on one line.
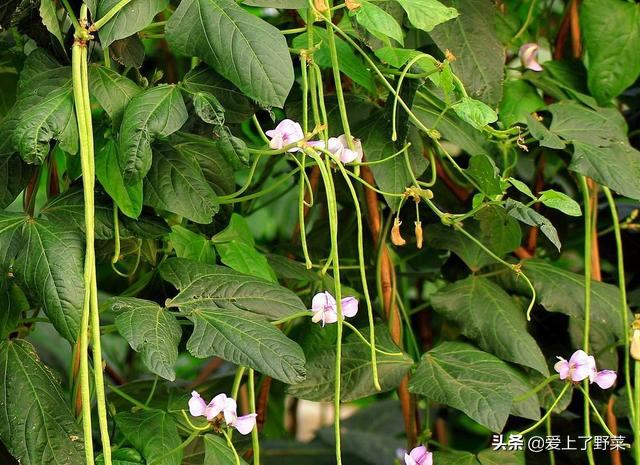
[[29, 201], [54, 186], [263, 398], [387, 279], [114, 375], [612, 423], [576, 44], [210, 368], [460, 192], [596, 270], [522, 253], [563, 35]]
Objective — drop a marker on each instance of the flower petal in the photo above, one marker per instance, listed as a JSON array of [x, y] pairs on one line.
[[562, 367], [605, 378], [245, 423], [230, 411], [579, 357], [322, 300], [528, 56], [216, 406], [197, 405], [330, 315], [408, 460], [349, 306], [419, 454]]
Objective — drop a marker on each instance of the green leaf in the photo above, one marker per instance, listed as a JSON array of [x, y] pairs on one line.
[[191, 245], [350, 63], [454, 458], [175, 183], [227, 288], [132, 18], [246, 259], [10, 237], [501, 457], [427, 14], [484, 172], [560, 201], [393, 175], [123, 456], [522, 187], [599, 127], [217, 452], [237, 107], [378, 22], [237, 230], [209, 109], [611, 31], [49, 17], [531, 217], [50, 267], [474, 112], [156, 112], [127, 197], [490, 317], [12, 303], [244, 49], [14, 176], [540, 132], [398, 57], [245, 339], [153, 433], [519, 100], [356, 375], [468, 379], [234, 150], [36, 423], [150, 330], [112, 90], [129, 52], [480, 56]]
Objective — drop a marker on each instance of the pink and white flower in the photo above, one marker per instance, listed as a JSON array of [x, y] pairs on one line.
[[225, 405], [418, 456], [285, 133], [582, 366], [529, 56], [339, 147], [325, 310]]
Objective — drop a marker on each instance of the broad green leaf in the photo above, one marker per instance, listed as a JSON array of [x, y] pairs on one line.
[[237, 107], [243, 48], [501, 457], [217, 452], [129, 52], [472, 39], [123, 456], [280, 4], [356, 375], [112, 90], [191, 245], [233, 149], [245, 339], [175, 183], [540, 132], [474, 112], [468, 379], [454, 458], [153, 433], [12, 303], [350, 63], [208, 108], [522, 187], [50, 267], [151, 330], [156, 112], [237, 230], [611, 31], [519, 100], [393, 175], [484, 172], [398, 57], [560, 201], [285, 268], [36, 424], [127, 197], [14, 176], [132, 18], [490, 317], [599, 127], [378, 22], [226, 288], [531, 217], [427, 14], [242, 257], [49, 17], [42, 74], [10, 237]]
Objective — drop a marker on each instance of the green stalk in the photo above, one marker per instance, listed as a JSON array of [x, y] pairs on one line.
[[255, 440], [548, 413], [623, 299], [305, 129], [587, 304], [110, 14], [236, 382], [76, 66]]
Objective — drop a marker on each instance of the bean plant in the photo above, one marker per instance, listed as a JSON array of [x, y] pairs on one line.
[[411, 215]]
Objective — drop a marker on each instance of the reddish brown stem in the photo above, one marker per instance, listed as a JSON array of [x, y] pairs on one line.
[[210, 368], [263, 398], [612, 423]]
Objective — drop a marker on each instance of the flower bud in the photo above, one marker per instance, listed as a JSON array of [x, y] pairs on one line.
[[635, 344], [352, 5], [418, 225], [321, 5], [396, 237]]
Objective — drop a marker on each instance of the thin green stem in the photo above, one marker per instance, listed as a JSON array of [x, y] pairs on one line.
[[255, 440], [127, 397], [364, 339], [110, 14], [622, 285], [595, 411], [552, 455], [292, 317], [255, 195], [191, 425], [184, 444], [553, 406], [526, 22], [72, 15], [231, 446], [536, 389], [236, 381], [153, 391]]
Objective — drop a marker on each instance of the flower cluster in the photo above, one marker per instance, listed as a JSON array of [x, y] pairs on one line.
[[288, 132], [418, 456], [221, 407], [529, 57], [325, 309], [582, 366]]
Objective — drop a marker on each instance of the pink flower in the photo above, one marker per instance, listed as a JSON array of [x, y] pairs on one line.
[[324, 308], [225, 405], [528, 56], [418, 456], [286, 132], [339, 147], [582, 366]]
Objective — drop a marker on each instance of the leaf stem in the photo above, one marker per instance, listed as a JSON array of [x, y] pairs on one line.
[[236, 381], [292, 317], [544, 417], [110, 14], [595, 411], [255, 440], [536, 389], [230, 444]]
